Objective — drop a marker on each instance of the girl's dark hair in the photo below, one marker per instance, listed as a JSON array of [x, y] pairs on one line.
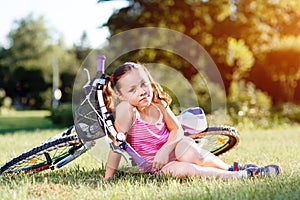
[[159, 94]]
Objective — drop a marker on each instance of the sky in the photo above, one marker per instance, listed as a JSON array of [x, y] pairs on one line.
[[66, 18]]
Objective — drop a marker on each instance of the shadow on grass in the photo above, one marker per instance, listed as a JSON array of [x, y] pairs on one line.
[[79, 176], [27, 122]]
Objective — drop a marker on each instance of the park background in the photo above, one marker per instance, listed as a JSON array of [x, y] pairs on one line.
[[255, 46]]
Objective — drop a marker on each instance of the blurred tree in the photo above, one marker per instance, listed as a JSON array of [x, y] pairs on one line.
[[4, 68], [240, 35], [27, 64], [273, 37], [83, 48], [28, 85]]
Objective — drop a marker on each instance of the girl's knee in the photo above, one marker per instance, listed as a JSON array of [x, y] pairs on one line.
[[183, 145], [187, 150]]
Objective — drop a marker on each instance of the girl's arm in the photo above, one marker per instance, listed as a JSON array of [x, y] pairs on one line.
[[125, 115], [176, 134], [123, 122], [173, 125], [112, 164]]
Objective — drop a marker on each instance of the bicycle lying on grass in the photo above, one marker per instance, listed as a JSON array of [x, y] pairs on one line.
[[93, 121]]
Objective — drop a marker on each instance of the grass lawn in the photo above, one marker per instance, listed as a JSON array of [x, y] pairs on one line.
[[82, 179]]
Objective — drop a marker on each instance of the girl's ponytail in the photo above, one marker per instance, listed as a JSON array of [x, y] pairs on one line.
[[108, 93]]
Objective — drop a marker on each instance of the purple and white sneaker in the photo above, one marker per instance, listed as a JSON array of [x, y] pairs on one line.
[[266, 171]]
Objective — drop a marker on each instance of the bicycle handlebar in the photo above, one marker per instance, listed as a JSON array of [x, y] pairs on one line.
[[101, 61]]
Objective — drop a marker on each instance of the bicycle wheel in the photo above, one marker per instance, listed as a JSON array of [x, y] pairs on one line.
[[45, 155], [217, 139]]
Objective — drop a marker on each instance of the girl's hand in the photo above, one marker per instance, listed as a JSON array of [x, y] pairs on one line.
[[161, 159]]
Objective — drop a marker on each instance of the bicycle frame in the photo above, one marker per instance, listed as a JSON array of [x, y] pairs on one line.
[[82, 148]]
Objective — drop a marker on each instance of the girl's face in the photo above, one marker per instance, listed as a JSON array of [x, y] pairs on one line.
[[135, 87]]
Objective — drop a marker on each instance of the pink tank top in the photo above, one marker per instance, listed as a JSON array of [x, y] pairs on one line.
[[147, 138]]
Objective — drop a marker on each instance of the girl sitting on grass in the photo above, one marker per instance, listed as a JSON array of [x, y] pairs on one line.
[[155, 133]]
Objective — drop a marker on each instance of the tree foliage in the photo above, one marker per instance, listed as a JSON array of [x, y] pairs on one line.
[[248, 39], [26, 66]]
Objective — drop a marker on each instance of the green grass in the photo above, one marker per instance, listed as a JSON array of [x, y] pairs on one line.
[[82, 178]]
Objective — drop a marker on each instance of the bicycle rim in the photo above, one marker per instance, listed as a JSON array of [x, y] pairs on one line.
[[217, 139], [43, 156]]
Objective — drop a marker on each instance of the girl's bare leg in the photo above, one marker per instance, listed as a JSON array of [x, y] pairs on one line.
[[187, 151], [186, 169]]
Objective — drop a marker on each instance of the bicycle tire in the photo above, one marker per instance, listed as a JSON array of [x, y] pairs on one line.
[[43, 156], [217, 139]]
